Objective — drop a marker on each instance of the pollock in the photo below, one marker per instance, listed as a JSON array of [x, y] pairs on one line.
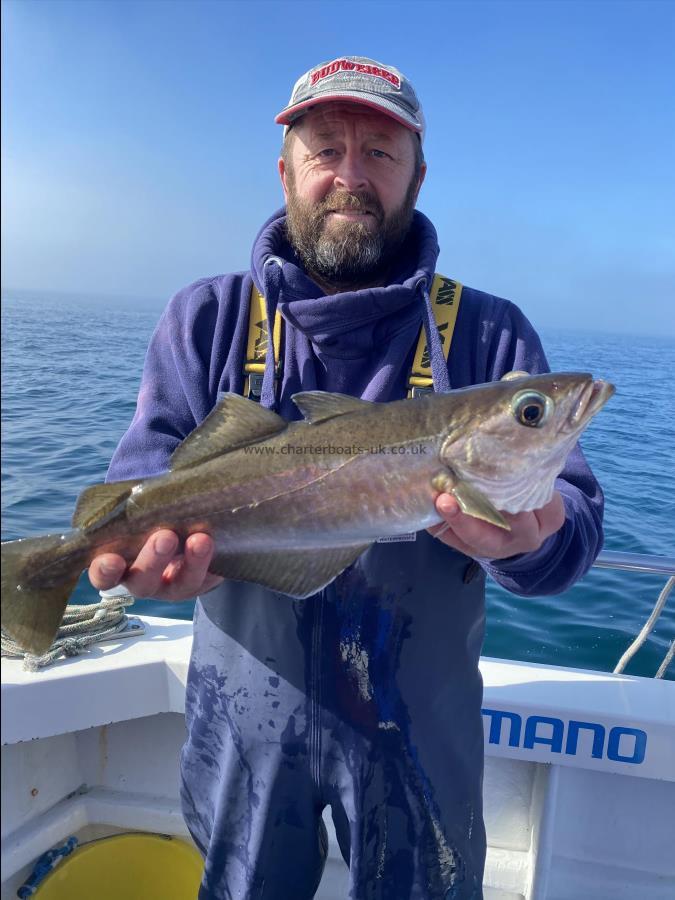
[[291, 505]]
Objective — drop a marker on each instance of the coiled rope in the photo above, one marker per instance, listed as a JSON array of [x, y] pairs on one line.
[[82, 626]]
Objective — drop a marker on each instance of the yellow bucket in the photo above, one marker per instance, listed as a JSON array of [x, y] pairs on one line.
[[127, 867]]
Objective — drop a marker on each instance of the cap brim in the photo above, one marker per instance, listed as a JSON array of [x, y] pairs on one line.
[[291, 113]]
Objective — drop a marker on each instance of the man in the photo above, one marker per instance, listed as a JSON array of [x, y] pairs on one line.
[[366, 696]]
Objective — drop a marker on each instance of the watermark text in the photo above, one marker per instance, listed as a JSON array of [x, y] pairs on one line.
[[338, 450]]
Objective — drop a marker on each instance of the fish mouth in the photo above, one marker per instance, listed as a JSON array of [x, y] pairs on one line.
[[592, 398]]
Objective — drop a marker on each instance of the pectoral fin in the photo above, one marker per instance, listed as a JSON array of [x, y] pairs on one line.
[[298, 573], [471, 501], [475, 504]]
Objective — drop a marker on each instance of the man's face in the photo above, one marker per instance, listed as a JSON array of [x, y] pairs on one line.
[[350, 187]]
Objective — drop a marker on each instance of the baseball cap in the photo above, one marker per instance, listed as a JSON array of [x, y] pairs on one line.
[[356, 79]]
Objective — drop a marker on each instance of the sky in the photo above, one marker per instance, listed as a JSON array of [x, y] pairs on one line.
[[139, 147]]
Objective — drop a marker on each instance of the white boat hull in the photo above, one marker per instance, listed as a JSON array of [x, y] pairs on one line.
[[579, 782]]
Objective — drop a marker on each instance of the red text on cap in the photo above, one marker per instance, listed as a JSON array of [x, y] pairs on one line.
[[346, 65]]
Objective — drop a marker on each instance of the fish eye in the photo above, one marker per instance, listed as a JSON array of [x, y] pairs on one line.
[[530, 408]]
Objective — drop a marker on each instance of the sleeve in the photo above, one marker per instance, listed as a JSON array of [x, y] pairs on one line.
[[511, 344], [174, 391]]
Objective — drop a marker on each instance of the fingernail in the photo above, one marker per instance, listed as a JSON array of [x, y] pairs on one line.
[[199, 549], [448, 507], [108, 568], [165, 545]]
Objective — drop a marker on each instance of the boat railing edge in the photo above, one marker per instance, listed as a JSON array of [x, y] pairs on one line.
[[635, 562]]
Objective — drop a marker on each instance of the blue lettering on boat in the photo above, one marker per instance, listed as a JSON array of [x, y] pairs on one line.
[[621, 744]]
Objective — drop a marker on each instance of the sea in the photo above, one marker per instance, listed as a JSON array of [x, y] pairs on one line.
[[71, 368]]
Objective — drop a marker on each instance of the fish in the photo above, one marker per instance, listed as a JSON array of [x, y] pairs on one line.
[[290, 505]]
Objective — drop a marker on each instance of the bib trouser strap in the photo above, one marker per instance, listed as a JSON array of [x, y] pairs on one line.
[[445, 296], [256, 345]]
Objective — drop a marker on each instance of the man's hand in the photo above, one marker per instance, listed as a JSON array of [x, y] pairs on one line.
[[476, 538], [158, 571]]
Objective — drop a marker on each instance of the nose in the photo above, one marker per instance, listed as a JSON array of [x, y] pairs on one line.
[[350, 174]]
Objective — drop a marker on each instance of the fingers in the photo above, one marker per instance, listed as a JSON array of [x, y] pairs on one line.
[[477, 538], [187, 575], [552, 516], [106, 571], [158, 571], [467, 534], [145, 573]]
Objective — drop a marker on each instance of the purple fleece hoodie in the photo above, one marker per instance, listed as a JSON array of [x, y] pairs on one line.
[[359, 343]]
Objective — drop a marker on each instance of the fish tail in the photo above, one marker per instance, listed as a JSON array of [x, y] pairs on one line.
[[38, 576]]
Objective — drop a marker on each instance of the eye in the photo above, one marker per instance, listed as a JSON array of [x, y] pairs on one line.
[[531, 408], [327, 153], [379, 154]]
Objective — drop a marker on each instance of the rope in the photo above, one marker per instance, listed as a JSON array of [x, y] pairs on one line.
[[82, 626], [666, 662], [649, 624]]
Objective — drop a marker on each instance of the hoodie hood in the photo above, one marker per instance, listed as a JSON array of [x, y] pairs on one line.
[[353, 342]]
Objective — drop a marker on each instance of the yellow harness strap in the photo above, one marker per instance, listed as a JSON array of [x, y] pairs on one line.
[[256, 345], [445, 296]]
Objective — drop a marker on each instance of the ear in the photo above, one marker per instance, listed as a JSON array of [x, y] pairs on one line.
[[423, 173], [282, 176]]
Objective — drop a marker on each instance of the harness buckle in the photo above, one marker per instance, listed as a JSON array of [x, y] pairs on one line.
[[255, 383], [417, 392]]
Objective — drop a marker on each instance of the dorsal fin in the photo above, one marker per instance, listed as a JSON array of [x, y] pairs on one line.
[[318, 406], [97, 501], [234, 422]]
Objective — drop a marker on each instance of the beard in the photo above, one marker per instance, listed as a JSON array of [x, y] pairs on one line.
[[347, 254]]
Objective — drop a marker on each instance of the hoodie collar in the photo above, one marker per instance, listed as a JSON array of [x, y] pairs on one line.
[[344, 324]]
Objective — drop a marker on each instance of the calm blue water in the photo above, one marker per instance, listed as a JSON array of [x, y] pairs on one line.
[[70, 374]]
